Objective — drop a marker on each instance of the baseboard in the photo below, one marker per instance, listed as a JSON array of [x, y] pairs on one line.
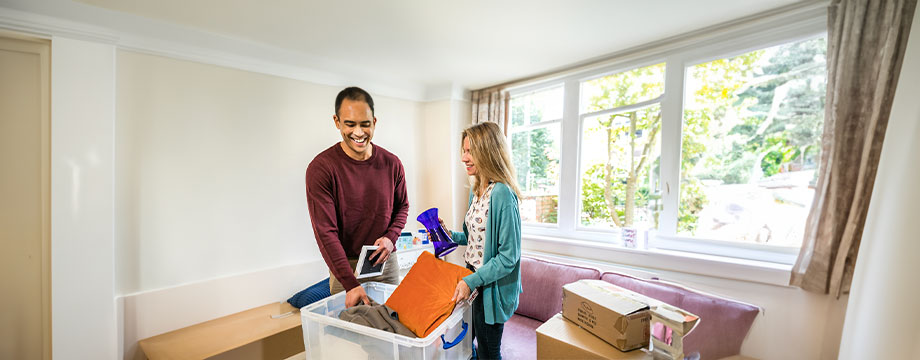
[[150, 313]]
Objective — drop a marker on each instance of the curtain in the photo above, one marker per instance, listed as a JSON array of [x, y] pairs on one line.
[[491, 105], [866, 44]]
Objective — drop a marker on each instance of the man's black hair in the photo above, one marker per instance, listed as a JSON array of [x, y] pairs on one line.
[[354, 94]]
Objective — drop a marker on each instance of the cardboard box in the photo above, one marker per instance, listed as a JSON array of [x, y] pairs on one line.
[[559, 338], [680, 320], [618, 316], [669, 325]]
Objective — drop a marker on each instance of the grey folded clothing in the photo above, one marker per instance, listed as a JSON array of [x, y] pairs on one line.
[[376, 316]]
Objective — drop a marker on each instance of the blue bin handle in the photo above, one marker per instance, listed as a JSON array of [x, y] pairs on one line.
[[448, 345]]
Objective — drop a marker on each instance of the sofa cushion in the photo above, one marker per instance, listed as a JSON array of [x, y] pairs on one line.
[[651, 289], [542, 283], [312, 294], [519, 338], [723, 325]]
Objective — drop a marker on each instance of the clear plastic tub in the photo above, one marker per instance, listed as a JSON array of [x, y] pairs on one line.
[[327, 337]]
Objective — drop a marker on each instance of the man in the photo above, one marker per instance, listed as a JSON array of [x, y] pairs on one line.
[[356, 195]]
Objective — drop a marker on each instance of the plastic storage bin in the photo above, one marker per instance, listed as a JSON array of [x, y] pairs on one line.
[[327, 337], [407, 258]]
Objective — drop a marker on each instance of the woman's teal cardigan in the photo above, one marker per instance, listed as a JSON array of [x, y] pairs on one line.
[[500, 274]]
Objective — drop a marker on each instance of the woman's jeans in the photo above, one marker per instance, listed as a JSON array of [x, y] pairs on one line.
[[489, 337]]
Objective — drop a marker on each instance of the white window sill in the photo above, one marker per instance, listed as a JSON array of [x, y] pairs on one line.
[[649, 260]]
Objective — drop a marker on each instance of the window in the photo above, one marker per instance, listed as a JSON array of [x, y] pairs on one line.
[[710, 148], [753, 126], [620, 149], [535, 136]]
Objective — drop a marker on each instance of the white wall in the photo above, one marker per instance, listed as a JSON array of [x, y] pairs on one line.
[[883, 321], [82, 238], [461, 118], [436, 155], [442, 184], [210, 168]]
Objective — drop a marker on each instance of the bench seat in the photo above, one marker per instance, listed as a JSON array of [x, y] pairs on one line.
[[225, 333]]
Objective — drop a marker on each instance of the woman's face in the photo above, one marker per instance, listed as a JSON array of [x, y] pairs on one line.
[[467, 158]]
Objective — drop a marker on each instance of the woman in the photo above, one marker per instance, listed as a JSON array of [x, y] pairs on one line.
[[492, 234]]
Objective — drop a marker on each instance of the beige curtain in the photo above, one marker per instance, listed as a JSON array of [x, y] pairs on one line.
[[866, 43], [491, 105]]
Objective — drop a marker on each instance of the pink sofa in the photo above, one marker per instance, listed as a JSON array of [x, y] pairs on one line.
[[723, 325]]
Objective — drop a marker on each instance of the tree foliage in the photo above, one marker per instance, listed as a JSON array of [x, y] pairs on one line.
[[622, 184], [752, 116], [534, 150], [535, 158]]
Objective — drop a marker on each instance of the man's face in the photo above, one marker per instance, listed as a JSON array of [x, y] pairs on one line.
[[356, 123]]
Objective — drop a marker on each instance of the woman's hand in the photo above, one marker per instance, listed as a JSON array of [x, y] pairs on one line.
[[462, 292], [441, 221]]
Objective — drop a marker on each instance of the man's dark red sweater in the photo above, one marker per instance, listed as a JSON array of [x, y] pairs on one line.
[[353, 203]]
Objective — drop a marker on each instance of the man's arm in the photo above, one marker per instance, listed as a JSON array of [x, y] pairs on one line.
[[400, 205], [321, 204], [398, 217]]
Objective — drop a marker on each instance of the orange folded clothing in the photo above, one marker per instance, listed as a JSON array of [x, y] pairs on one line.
[[422, 299]]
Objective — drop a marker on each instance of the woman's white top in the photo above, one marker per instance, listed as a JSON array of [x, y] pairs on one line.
[[476, 218]]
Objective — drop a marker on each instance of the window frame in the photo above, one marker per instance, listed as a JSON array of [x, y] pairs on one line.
[[678, 56]]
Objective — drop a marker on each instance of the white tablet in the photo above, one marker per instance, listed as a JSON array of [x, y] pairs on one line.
[[366, 267]]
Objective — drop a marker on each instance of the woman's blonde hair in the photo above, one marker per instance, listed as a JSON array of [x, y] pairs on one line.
[[492, 156]]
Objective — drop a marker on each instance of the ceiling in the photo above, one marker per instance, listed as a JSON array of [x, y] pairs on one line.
[[462, 43]]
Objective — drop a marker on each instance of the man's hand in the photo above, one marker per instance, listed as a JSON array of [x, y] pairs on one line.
[[356, 296], [384, 248], [462, 292]]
